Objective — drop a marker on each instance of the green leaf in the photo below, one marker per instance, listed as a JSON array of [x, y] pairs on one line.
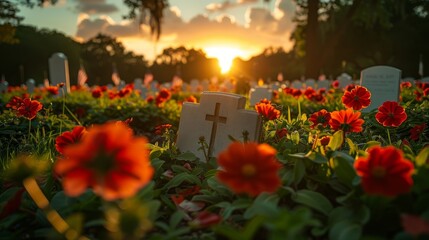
[[176, 218], [372, 144], [345, 230], [314, 200], [264, 205], [187, 156], [294, 136], [298, 171], [423, 157], [336, 140], [343, 168], [180, 178]]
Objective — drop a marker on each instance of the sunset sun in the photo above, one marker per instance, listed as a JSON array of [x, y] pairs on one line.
[[225, 55]]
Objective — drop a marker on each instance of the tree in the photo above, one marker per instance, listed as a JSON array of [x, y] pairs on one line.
[[8, 21], [102, 53]]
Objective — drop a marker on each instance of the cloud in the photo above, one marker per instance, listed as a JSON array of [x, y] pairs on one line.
[[263, 28], [227, 4], [95, 7], [88, 28]]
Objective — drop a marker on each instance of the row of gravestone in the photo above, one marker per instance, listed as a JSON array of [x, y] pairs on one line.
[[220, 116]]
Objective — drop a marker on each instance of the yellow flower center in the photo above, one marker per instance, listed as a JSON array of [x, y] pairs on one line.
[[248, 170], [378, 172]]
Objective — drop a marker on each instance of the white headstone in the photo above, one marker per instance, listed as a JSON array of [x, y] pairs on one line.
[[205, 85], [194, 85], [3, 86], [154, 86], [259, 93], [326, 84], [121, 85], [109, 86], [138, 85], [310, 83], [59, 70], [217, 116], [31, 85], [344, 80], [425, 79], [383, 83], [297, 84]]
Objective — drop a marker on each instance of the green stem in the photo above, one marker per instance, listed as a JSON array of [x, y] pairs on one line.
[[29, 127], [388, 136]]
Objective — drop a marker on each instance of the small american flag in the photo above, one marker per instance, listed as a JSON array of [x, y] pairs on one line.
[[115, 78], [81, 77]]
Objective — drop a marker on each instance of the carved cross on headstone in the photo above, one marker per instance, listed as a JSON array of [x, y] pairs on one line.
[[215, 119]]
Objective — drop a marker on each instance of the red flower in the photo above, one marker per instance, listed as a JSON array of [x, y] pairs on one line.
[[14, 103], [414, 225], [324, 141], [97, 93], [149, 99], [29, 108], [385, 172], [296, 93], [357, 98], [346, 120], [112, 94], [391, 114], [267, 111], [309, 93], [266, 101], [52, 90], [69, 138], [124, 92], [335, 84], [321, 117], [249, 168], [416, 131], [350, 87], [205, 219], [281, 133], [164, 93], [109, 159], [159, 130]]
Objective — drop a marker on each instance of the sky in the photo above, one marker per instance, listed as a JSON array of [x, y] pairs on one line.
[[222, 28]]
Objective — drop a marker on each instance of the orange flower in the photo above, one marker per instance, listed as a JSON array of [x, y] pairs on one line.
[[391, 114], [191, 99], [321, 117], [267, 111], [385, 172], [357, 98], [29, 108], [69, 138], [249, 168], [346, 120], [52, 90], [109, 159]]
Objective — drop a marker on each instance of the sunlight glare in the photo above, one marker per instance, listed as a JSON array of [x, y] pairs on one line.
[[225, 55]]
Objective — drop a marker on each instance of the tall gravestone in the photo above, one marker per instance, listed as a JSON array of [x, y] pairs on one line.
[[31, 85], [138, 85], [259, 93], [3, 86], [59, 70], [310, 83], [326, 84], [383, 82], [217, 116], [344, 80]]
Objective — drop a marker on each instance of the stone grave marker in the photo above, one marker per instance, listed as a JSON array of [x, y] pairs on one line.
[[217, 116], [326, 84], [3, 86], [425, 79], [297, 84], [31, 85], [259, 93], [59, 71], [138, 85], [154, 86], [205, 84], [194, 85], [344, 80], [109, 86], [310, 83], [383, 83]]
